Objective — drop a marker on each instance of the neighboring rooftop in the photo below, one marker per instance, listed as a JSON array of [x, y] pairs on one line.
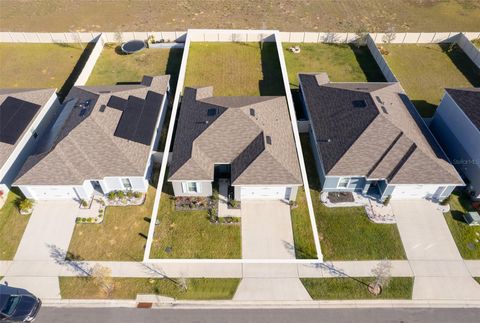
[[18, 110], [252, 134], [102, 131], [468, 99], [369, 129]]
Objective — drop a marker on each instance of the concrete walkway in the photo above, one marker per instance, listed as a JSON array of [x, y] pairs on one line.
[[439, 270], [266, 230]]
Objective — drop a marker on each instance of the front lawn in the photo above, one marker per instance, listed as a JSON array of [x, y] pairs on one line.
[[114, 67], [346, 233], [235, 69], [128, 288], [465, 236], [476, 42], [31, 65], [120, 237], [426, 70], [190, 234], [302, 228], [12, 226], [350, 288]]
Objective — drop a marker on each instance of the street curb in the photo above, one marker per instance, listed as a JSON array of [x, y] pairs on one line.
[[88, 303]]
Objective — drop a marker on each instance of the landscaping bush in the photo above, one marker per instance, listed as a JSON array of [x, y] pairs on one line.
[[129, 194], [25, 205], [120, 194], [234, 203], [83, 203], [137, 195], [111, 195]]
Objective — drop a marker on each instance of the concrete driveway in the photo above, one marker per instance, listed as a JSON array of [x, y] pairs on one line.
[[440, 272], [266, 230], [49, 230]]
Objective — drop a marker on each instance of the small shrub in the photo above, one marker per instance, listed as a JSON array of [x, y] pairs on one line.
[[100, 211], [234, 203], [137, 195], [120, 194], [78, 220], [26, 205], [91, 220], [83, 203], [129, 194], [84, 219], [111, 195]]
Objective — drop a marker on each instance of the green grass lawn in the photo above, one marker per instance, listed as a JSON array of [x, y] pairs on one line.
[[476, 42], [128, 288], [426, 70], [348, 288], [235, 69], [302, 229], [41, 65], [346, 233], [477, 279], [12, 226], [463, 234], [342, 62], [190, 234], [120, 237], [114, 67]]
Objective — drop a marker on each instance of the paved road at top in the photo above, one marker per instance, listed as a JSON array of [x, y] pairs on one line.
[[127, 315]]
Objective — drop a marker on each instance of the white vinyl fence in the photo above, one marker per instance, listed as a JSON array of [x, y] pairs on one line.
[[381, 62], [91, 61]]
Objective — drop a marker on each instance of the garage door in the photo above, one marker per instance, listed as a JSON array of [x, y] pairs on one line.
[[264, 193], [52, 193], [416, 191]]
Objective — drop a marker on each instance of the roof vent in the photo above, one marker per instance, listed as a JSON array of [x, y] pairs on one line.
[[102, 108], [211, 112], [269, 140], [105, 91], [252, 112], [378, 99], [325, 140], [384, 109], [359, 103]]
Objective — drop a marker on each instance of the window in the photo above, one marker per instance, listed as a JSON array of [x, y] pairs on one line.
[[190, 187], [126, 183], [343, 182]]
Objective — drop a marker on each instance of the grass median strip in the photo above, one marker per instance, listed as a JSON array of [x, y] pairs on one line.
[[128, 288], [302, 228], [348, 288], [12, 227]]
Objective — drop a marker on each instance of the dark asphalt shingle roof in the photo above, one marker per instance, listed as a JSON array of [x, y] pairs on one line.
[[468, 99], [365, 129]]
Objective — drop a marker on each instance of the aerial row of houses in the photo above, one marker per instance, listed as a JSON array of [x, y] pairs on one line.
[[365, 137]]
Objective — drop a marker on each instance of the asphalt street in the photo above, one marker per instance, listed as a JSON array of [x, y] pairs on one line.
[[124, 315]]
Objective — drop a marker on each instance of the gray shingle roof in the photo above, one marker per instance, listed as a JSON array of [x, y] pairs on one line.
[[368, 129], [234, 132], [468, 99], [85, 147], [36, 96]]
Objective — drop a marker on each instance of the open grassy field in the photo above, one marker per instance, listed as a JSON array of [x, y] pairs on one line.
[[426, 70], [41, 65], [114, 67], [348, 288], [12, 226], [342, 62], [121, 236], [465, 236], [235, 68], [189, 234], [346, 233], [318, 15], [128, 288]]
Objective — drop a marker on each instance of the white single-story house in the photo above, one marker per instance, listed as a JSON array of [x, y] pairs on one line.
[[456, 125], [24, 117], [102, 141], [246, 140], [367, 137]]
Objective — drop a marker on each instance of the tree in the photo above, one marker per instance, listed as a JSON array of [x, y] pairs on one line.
[[390, 35], [102, 278], [382, 274]]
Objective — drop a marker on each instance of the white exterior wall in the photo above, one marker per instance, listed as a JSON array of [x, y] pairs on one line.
[[112, 184], [109, 184], [27, 142], [139, 184], [205, 189]]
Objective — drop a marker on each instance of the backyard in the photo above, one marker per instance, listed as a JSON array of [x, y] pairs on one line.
[[31, 65], [346, 233], [12, 226], [120, 237], [466, 237], [355, 288], [114, 67], [128, 288], [190, 234], [426, 70], [342, 62], [235, 69]]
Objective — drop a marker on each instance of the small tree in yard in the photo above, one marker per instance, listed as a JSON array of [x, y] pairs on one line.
[[390, 35], [102, 278], [382, 274], [25, 205]]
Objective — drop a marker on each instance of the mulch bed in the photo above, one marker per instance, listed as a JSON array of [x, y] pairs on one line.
[[340, 197], [186, 203]]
